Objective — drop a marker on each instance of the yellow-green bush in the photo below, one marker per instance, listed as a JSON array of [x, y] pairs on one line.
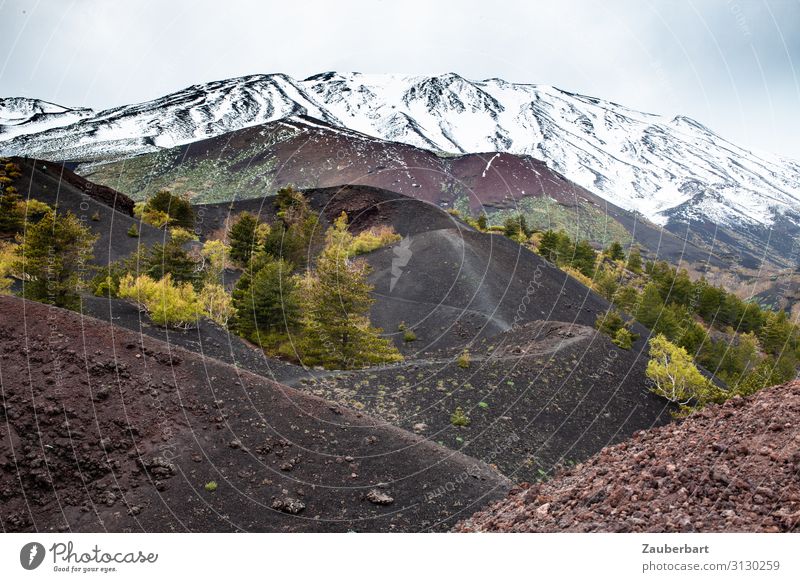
[[215, 255], [372, 239], [7, 259], [217, 304], [174, 304], [150, 216], [166, 303], [676, 378]]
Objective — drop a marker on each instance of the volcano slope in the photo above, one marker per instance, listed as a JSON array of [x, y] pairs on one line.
[[108, 213], [728, 468], [445, 281], [366, 206], [540, 395], [541, 380], [255, 161], [105, 430]]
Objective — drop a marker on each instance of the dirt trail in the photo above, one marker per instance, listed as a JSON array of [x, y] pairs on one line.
[[561, 336]]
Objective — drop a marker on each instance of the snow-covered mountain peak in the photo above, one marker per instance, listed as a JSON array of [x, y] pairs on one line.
[[21, 115], [665, 168]]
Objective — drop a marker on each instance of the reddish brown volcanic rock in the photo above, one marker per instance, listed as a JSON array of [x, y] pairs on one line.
[[729, 468]]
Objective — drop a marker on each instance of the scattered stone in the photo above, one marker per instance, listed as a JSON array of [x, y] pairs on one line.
[[288, 505], [378, 497]]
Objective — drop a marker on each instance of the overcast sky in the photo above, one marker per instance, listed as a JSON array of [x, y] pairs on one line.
[[734, 65]]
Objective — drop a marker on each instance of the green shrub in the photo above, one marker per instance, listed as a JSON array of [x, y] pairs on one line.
[[463, 359], [609, 323], [409, 335], [177, 208], [677, 379], [373, 239], [168, 304], [623, 339], [459, 418], [133, 232]]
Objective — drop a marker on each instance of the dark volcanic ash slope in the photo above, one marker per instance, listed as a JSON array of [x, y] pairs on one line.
[[451, 286], [104, 430], [728, 468], [365, 206], [445, 281], [64, 190], [543, 394]]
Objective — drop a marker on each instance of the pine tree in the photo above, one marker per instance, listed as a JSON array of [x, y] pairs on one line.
[[710, 300], [605, 283], [626, 297], [171, 259], [615, 252], [11, 221], [778, 334], [635, 260], [548, 246], [650, 306], [293, 236], [584, 258], [178, 208], [336, 301], [266, 302], [511, 227], [523, 226], [52, 255], [242, 238]]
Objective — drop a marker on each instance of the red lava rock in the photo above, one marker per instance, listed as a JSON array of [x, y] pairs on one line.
[[731, 467]]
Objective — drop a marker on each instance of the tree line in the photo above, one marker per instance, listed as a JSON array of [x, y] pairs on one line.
[[302, 292]]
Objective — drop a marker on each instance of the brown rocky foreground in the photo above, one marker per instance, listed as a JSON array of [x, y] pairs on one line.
[[729, 468], [104, 429]]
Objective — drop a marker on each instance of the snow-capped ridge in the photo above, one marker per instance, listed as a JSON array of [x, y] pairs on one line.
[[664, 168]]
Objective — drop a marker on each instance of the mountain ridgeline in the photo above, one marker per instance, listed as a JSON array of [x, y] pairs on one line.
[[674, 172]]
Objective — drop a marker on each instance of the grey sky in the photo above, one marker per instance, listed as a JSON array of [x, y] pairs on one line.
[[734, 65]]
